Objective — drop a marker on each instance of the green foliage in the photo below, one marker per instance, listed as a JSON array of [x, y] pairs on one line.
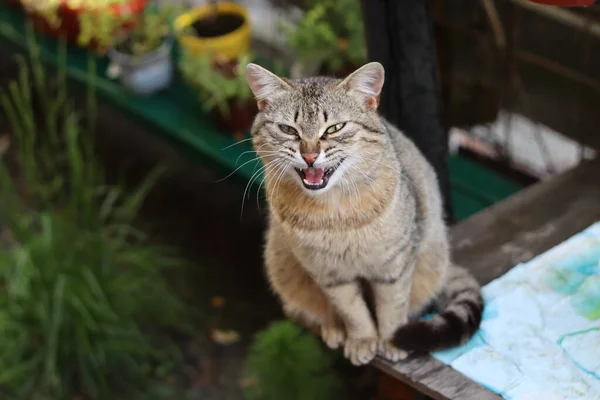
[[215, 89], [83, 300], [151, 30], [145, 34], [98, 22], [285, 362], [101, 25], [331, 31]]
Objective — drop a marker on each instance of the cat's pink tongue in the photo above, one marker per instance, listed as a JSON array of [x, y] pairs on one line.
[[314, 175]]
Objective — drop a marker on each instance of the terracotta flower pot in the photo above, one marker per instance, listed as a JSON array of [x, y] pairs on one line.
[[565, 3], [239, 120], [69, 27]]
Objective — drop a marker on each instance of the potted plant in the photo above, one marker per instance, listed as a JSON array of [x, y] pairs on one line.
[[220, 28], [328, 39], [222, 90], [62, 18], [142, 58]]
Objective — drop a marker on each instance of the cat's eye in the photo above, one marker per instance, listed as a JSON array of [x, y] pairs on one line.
[[335, 128], [288, 130]]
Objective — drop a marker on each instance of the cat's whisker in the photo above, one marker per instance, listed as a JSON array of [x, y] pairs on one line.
[[352, 185], [238, 168], [357, 190], [255, 176], [271, 165], [398, 171], [256, 165], [370, 180], [257, 152], [262, 182], [273, 171], [278, 181], [235, 144], [349, 177], [409, 180], [273, 179], [249, 183], [367, 177], [259, 159], [276, 184]]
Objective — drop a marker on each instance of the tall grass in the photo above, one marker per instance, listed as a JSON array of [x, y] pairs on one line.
[[83, 300]]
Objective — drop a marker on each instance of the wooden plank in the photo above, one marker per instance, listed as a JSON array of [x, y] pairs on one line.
[[528, 223], [493, 241], [435, 379]]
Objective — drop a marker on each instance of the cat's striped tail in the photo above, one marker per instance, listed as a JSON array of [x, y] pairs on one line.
[[461, 308]]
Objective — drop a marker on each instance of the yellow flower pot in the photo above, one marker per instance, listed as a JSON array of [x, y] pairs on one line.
[[228, 46]]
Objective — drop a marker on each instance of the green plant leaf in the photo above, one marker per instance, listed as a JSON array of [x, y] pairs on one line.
[[304, 367], [82, 292]]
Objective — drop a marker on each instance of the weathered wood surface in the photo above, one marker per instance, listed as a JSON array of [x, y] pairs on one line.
[[528, 223], [435, 379], [495, 240]]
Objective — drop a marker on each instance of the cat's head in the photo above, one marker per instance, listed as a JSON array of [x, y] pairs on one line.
[[320, 132]]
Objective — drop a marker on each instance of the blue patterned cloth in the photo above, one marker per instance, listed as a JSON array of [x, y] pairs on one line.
[[540, 335]]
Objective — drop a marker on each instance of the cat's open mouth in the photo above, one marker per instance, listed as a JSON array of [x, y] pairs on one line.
[[315, 178]]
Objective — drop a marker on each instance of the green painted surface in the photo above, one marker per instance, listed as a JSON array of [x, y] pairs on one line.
[[475, 187], [176, 115]]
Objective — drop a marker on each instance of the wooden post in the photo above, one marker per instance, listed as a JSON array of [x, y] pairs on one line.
[[400, 36]]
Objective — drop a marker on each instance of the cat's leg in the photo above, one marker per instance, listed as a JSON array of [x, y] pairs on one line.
[[392, 300], [361, 342], [303, 300], [430, 273], [330, 327]]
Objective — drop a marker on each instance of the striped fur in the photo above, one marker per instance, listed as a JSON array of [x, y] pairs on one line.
[[378, 220], [460, 308]]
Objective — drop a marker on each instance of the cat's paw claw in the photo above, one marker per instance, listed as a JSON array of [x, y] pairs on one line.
[[389, 352], [360, 351], [333, 336]]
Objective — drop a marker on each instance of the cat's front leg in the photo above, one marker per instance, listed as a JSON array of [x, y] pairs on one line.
[[361, 335], [392, 299], [333, 331]]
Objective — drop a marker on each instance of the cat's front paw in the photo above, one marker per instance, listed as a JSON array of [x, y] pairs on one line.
[[333, 335], [389, 352], [360, 351]]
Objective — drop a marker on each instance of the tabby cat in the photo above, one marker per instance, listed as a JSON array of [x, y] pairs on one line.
[[353, 203]]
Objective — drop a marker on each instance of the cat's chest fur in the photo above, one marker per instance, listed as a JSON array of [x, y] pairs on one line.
[[350, 240]]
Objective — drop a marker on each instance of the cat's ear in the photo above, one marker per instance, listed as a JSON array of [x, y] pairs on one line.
[[366, 84], [264, 84]]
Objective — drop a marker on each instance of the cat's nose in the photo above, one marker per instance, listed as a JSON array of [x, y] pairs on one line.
[[310, 158]]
